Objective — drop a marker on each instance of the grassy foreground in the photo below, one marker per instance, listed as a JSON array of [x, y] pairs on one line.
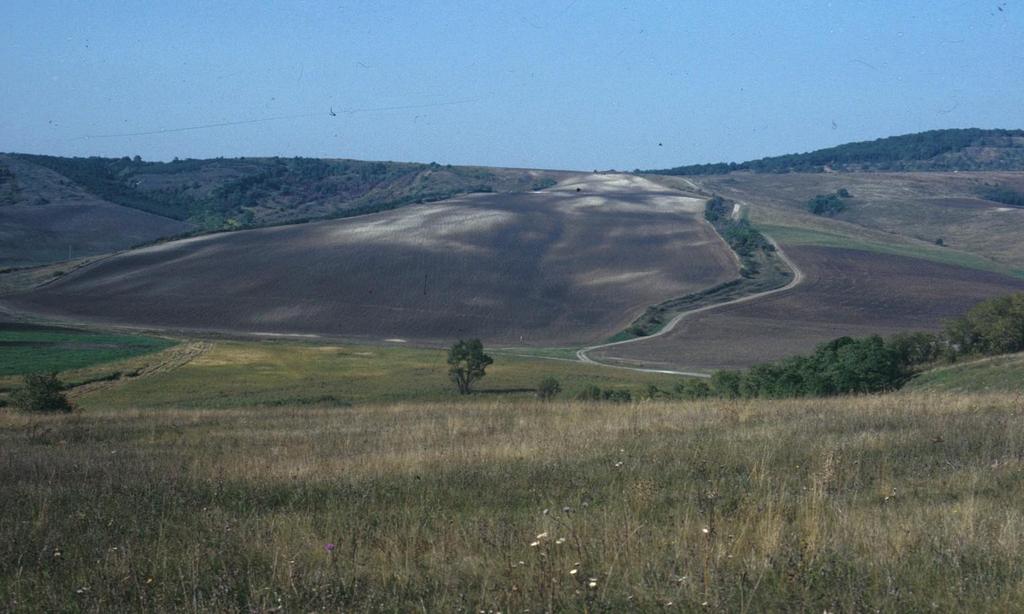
[[897, 503]]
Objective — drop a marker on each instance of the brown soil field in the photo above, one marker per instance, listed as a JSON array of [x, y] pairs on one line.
[[846, 292], [52, 214], [571, 264]]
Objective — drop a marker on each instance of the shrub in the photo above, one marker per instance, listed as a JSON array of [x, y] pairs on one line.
[[589, 393], [594, 393], [616, 396], [42, 392], [693, 388], [548, 388], [827, 204]]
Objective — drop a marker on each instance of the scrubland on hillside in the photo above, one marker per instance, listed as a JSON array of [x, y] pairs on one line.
[[901, 502]]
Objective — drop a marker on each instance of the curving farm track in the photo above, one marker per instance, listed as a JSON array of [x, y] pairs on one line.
[[582, 355]]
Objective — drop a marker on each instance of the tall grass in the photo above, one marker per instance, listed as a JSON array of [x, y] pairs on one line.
[[906, 502]]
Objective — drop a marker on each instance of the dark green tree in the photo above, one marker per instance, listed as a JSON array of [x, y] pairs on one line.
[[42, 392], [467, 363], [548, 388], [727, 383]]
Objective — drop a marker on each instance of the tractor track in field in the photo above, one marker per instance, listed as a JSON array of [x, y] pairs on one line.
[[161, 362]]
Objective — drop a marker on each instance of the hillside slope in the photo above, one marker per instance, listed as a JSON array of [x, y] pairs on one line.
[[97, 205], [573, 263], [994, 374], [44, 217], [906, 211]]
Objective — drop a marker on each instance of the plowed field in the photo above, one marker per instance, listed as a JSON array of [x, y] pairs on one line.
[[571, 264], [846, 292]]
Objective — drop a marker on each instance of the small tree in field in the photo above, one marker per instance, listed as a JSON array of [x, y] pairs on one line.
[[466, 363], [42, 392], [548, 388]]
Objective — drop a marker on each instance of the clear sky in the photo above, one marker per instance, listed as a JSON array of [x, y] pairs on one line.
[[559, 84]]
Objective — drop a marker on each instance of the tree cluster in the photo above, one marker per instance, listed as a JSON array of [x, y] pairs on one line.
[[829, 204], [743, 238], [873, 364], [920, 151]]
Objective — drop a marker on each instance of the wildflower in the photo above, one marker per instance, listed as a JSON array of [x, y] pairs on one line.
[[618, 464], [534, 544], [560, 541], [592, 583], [329, 547], [573, 572], [542, 535], [705, 530]]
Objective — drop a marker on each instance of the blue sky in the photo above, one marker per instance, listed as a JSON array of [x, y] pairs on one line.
[[560, 84]]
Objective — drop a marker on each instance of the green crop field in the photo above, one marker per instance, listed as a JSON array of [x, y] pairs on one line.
[[36, 349]]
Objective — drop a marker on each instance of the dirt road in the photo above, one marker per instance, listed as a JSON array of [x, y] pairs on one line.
[[798, 277]]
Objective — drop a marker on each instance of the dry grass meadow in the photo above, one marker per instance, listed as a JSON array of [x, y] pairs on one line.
[[907, 502]]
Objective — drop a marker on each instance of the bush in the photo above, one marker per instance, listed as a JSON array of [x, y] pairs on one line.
[[693, 388], [827, 204], [42, 392], [589, 393], [594, 393], [548, 388], [616, 396]]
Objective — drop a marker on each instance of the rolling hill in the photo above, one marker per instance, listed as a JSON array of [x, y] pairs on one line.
[[50, 206], [569, 264]]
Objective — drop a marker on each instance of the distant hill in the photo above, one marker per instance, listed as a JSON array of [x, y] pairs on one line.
[[51, 206], [968, 149]]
